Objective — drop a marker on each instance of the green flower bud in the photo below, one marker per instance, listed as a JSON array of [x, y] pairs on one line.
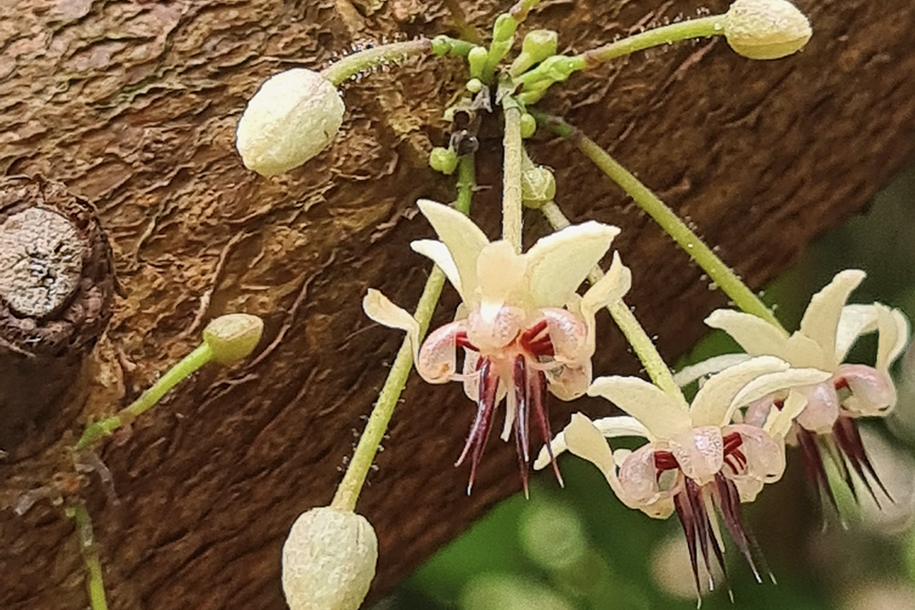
[[477, 60], [474, 85], [528, 125], [328, 560], [504, 28], [443, 160], [766, 29], [233, 337], [292, 117], [538, 186], [537, 46]]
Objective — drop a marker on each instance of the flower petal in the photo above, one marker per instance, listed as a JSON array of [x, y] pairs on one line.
[[773, 382], [821, 319], [441, 256], [559, 263], [893, 329], [612, 287], [663, 416], [756, 336], [778, 424], [711, 406], [716, 364], [463, 238], [610, 427], [854, 321], [380, 309], [500, 272]]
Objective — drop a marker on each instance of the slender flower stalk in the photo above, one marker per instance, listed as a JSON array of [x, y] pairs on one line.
[[353, 480], [716, 269], [641, 343], [94, 580], [511, 178], [226, 340], [353, 64]]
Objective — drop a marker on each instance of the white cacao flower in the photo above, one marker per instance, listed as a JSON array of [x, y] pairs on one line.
[[292, 117], [328, 560], [766, 29]]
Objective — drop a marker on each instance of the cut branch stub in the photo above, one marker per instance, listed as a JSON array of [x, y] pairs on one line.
[[56, 287]]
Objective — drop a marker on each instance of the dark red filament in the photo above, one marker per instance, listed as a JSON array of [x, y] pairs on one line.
[[529, 387]]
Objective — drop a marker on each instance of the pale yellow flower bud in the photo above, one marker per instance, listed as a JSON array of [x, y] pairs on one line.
[[328, 560], [766, 29], [233, 337], [292, 117]]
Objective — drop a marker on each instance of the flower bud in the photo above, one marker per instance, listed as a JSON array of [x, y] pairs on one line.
[[233, 337], [292, 117], [538, 186], [443, 160], [537, 46], [477, 59], [528, 125], [766, 29], [328, 560]]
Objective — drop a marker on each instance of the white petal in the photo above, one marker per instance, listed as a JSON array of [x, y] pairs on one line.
[[713, 365], [894, 334], [612, 287], [711, 406], [779, 421], [854, 321], [802, 351], [559, 263], [663, 416], [441, 256], [463, 238], [500, 273], [584, 440], [380, 309], [756, 336], [773, 382], [821, 319], [609, 427]]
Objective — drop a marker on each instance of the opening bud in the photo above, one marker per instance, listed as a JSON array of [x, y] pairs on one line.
[[292, 117], [766, 29], [233, 337], [538, 186], [328, 560]]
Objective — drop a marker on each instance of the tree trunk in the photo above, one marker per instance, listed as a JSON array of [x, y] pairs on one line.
[[133, 105]]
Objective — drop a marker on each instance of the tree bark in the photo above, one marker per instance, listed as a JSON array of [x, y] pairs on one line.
[[133, 105]]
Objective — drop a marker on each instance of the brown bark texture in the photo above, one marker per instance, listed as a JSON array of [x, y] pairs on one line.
[[133, 105]]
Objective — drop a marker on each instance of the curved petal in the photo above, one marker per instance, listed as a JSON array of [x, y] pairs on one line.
[[821, 319], [609, 427], [380, 309], [802, 351], [558, 264], [854, 321], [612, 287], [500, 273], [756, 336], [441, 256], [570, 382], [779, 421], [663, 416], [716, 364], [773, 382], [711, 406], [463, 238], [893, 329]]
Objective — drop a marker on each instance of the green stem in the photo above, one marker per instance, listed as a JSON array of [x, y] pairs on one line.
[[703, 27], [352, 65], [719, 273], [348, 491], [187, 366], [554, 72], [94, 583], [466, 183], [511, 177], [641, 343]]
